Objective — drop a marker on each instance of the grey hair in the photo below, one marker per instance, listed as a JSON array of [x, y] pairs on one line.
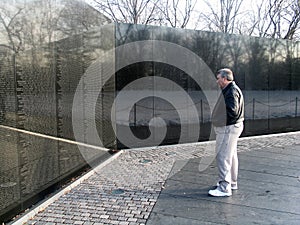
[[226, 73]]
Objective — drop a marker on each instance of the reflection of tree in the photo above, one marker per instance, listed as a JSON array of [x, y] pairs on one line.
[[258, 63], [132, 32], [33, 24], [10, 45], [209, 47], [28, 34], [78, 17], [256, 78], [289, 63], [296, 74], [234, 47], [127, 33], [11, 27], [272, 73], [281, 64]]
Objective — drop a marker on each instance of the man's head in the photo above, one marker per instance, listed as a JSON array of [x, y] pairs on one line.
[[224, 77]]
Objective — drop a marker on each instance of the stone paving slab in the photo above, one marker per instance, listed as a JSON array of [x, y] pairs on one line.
[[162, 185], [258, 201], [210, 211], [260, 180]]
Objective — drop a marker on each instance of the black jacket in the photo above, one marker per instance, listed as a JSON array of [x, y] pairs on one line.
[[229, 108]]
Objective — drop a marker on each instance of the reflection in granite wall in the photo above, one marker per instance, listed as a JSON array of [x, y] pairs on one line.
[[7, 90], [9, 169], [259, 63], [45, 84], [43, 55], [267, 70]]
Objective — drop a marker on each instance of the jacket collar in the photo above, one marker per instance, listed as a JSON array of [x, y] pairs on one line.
[[228, 86]]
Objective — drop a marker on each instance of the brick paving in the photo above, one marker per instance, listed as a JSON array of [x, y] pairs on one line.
[[126, 190]]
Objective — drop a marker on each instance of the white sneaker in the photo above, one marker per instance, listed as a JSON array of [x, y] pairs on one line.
[[218, 193]]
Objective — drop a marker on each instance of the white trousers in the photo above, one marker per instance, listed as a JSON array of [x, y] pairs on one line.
[[226, 150]]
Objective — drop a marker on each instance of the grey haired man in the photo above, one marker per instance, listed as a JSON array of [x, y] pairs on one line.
[[227, 119]]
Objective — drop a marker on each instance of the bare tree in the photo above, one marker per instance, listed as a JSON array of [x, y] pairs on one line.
[[177, 13], [291, 14], [268, 18], [275, 19], [222, 17], [174, 13], [129, 11], [269, 15]]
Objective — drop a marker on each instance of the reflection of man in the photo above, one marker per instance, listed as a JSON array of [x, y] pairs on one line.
[[227, 118]]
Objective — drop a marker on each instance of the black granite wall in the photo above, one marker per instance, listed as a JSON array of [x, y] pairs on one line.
[[267, 71], [38, 80]]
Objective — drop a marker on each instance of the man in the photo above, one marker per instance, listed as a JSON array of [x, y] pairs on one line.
[[227, 119]]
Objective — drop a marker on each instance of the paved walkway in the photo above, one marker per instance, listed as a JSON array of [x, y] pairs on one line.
[[163, 185]]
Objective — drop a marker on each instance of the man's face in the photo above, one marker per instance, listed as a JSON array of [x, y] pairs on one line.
[[221, 81]]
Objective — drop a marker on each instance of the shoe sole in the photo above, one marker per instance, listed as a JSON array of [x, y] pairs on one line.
[[223, 195]]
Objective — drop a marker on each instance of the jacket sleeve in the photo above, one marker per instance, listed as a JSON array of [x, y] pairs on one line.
[[232, 105]]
